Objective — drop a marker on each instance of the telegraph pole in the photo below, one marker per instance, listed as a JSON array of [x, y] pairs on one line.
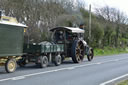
[[90, 16]]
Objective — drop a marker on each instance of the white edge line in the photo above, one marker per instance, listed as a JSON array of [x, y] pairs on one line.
[[112, 80]]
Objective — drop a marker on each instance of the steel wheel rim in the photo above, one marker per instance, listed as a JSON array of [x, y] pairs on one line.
[[11, 66], [90, 55], [79, 51]]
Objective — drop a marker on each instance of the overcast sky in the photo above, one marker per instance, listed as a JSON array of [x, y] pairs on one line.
[[122, 5]]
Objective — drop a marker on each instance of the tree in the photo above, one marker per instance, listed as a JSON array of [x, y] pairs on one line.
[[114, 16]]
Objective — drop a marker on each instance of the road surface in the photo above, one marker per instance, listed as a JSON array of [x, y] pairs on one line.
[[104, 70]]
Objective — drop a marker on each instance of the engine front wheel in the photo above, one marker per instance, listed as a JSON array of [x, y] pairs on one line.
[[90, 55]]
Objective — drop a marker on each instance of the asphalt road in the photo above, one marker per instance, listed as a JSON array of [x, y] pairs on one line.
[[104, 70]]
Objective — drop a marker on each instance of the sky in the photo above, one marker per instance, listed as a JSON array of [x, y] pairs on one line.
[[122, 5]]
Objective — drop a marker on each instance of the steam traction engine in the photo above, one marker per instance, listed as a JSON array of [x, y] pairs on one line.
[[74, 45]]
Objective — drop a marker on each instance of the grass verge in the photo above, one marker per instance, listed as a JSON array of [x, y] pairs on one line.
[[109, 51], [125, 82]]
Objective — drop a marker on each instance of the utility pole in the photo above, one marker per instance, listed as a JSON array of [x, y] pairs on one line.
[[90, 16]]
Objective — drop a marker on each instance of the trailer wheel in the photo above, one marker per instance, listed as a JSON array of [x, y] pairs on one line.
[[43, 61], [10, 65], [90, 55], [58, 60], [77, 52]]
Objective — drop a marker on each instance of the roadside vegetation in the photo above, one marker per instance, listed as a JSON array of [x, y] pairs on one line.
[[125, 82], [109, 51], [109, 32]]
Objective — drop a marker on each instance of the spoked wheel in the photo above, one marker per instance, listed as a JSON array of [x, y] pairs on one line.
[[58, 60], [90, 54], [43, 61], [10, 65], [78, 51]]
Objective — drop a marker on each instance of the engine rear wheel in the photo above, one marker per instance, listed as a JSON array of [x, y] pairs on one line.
[[77, 51]]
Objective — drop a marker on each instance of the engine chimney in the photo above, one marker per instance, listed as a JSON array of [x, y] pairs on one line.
[[0, 14]]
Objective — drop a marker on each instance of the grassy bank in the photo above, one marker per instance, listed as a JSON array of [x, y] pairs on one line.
[[109, 51], [125, 82]]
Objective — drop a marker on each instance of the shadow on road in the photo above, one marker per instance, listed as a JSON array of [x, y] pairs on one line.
[[33, 66]]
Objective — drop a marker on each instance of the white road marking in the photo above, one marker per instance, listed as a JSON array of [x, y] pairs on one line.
[[5, 79], [67, 68], [99, 63], [18, 78], [71, 68], [110, 81]]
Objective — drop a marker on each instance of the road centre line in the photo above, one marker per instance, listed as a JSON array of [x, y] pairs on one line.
[[18, 78], [112, 80], [67, 68]]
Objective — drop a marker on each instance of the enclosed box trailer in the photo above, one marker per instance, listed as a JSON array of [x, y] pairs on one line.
[[11, 42]]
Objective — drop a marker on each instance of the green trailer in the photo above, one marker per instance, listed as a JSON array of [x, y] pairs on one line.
[[42, 54], [45, 47], [11, 42]]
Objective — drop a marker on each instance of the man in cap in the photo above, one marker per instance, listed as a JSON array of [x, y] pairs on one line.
[[82, 26]]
